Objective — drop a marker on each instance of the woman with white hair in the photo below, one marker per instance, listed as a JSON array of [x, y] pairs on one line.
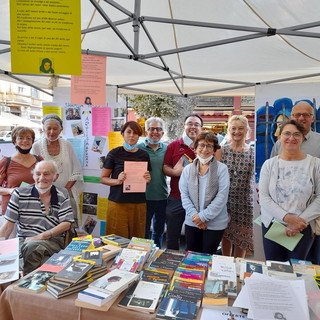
[[239, 158], [52, 147]]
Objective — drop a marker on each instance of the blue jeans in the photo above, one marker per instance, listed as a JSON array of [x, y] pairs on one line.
[[156, 213], [175, 215], [275, 251]]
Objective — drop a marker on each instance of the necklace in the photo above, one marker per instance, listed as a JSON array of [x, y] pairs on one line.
[[54, 148]]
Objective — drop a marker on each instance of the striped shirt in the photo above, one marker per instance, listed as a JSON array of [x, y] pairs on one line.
[[26, 208]]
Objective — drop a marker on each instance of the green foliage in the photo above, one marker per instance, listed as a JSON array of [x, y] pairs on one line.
[[153, 106]]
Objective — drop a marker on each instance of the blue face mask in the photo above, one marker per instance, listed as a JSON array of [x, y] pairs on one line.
[[129, 147], [152, 142]]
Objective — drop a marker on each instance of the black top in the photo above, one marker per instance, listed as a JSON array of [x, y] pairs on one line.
[[115, 161]]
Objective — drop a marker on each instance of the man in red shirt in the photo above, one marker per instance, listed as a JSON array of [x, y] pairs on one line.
[[179, 153]]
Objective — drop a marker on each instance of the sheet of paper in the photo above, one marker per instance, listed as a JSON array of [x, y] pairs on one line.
[[135, 182], [272, 298], [277, 234]]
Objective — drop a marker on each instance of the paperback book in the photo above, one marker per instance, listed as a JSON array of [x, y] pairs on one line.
[[34, 282], [115, 281], [146, 296], [74, 271]]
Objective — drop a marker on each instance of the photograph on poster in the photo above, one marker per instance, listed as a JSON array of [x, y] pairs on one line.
[[73, 114], [101, 161], [89, 209], [89, 224], [90, 198], [117, 124], [119, 112], [98, 144], [88, 101], [77, 129], [46, 65]]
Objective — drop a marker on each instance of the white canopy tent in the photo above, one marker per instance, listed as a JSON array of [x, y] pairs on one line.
[[188, 47]]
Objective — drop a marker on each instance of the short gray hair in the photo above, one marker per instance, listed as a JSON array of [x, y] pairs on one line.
[[154, 119], [53, 164]]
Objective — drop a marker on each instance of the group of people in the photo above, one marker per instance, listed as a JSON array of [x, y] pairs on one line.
[[211, 188], [201, 197], [48, 205]]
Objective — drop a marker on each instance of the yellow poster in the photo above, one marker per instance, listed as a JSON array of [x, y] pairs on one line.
[[115, 140], [102, 208], [45, 36], [52, 109]]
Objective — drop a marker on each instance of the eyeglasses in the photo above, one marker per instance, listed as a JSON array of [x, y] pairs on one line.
[[305, 115], [191, 124], [158, 129], [24, 138], [208, 146], [295, 135]]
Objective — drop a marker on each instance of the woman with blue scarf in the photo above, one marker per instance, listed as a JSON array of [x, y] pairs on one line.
[[126, 213]]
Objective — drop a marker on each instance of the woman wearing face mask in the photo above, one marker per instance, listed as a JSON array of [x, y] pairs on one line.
[[239, 158], [53, 147], [204, 187], [17, 168], [126, 213]]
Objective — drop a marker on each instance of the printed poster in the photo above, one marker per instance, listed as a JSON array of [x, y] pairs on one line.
[[90, 88], [45, 37]]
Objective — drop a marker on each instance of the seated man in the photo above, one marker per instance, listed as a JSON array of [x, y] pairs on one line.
[[43, 213]]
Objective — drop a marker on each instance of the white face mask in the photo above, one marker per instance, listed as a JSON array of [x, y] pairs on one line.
[[42, 191], [204, 161], [187, 141]]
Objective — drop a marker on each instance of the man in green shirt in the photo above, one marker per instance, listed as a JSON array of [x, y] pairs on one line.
[[157, 189]]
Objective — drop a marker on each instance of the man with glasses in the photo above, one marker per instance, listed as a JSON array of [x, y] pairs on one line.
[[178, 155], [157, 189], [303, 112]]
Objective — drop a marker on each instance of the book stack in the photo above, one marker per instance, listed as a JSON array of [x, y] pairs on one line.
[[115, 240], [166, 261], [109, 251], [183, 299], [70, 279], [37, 281]]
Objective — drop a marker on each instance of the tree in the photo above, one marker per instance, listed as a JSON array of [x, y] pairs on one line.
[[171, 109]]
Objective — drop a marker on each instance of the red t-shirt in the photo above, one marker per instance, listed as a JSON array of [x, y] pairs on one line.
[[175, 151]]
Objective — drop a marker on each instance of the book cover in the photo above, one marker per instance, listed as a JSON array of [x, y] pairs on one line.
[[74, 271], [171, 308], [78, 245], [34, 282], [93, 255], [115, 240], [146, 296], [223, 271], [227, 313], [56, 262], [129, 259], [155, 276], [215, 293], [115, 281]]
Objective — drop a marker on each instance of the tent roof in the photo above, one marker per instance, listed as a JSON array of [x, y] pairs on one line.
[[195, 47]]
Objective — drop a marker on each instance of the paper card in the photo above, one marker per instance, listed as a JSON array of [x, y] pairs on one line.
[[277, 233], [135, 182]]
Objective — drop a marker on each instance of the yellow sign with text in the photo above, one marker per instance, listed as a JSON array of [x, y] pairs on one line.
[[45, 36]]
